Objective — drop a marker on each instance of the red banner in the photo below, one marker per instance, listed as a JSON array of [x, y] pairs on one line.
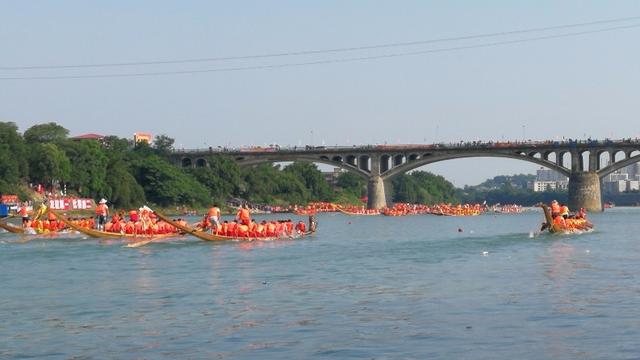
[[9, 199], [71, 204]]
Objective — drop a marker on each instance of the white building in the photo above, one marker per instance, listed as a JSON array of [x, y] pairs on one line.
[[548, 180]]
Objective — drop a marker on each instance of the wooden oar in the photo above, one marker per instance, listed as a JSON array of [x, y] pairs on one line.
[[141, 243], [6, 218]]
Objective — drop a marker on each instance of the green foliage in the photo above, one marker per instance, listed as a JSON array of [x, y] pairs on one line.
[[116, 145], [221, 177], [89, 170], [423, 188], [312, 178], [516, 181], [13, 157], [48, 164], [122, 189], [265, 183], [163, 144], [167, 185], [508, 189], [352, 184], [49, 132]]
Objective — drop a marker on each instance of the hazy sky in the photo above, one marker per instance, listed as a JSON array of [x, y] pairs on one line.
[[572, 86]]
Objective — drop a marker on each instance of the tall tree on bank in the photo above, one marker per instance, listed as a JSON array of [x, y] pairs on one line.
[[89, 167], [163, 144], [312, 178], [48, 164], [13, 157], [49, 132]]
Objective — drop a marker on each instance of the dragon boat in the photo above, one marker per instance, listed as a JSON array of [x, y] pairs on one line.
[[203, 235], [12, 228], [354, 213], [573, 225], [141, 238]]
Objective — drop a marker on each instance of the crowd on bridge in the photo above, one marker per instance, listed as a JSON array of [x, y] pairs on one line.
[[489, 144]]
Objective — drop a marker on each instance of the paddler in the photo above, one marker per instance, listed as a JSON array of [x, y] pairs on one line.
[[102, 211], [301, 227], [244, 216], [214, 218], [564, 211], [555, 208], [24, 213]]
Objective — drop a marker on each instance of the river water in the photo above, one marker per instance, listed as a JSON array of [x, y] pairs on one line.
[[363, 287]]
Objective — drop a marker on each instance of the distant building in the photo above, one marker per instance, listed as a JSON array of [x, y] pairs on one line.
[[140, 136], [548, 180], [89, 136], [622, 180]]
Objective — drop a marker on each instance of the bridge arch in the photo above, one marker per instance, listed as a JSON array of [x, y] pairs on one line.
[[618, 165], [201, 162], [186, 162], [321, 160], [433, 159]]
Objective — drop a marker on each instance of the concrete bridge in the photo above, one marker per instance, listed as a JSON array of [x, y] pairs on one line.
[[585, 163]]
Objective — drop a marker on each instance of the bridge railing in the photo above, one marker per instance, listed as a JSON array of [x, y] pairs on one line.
[[571, 143]]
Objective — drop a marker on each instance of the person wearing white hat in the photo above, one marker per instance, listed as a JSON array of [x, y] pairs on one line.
[[102, 211]]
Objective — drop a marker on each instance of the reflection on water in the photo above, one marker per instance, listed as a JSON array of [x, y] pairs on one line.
[[373, 287]]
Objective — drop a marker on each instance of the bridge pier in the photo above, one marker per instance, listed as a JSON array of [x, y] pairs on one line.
[[584, 191], [376, 198]]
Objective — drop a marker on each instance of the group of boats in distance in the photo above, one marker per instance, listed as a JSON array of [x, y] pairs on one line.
[[150, 226], [405, 209]]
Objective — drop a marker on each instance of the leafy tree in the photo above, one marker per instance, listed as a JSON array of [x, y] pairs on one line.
[[13, 159], [163, 144], [89, 167], [49, 164], [166, 185], [265, 183], [423, 187], [49, 132], [116, 145], [352, 183], [312, 178], [122, 189], [221, 177]]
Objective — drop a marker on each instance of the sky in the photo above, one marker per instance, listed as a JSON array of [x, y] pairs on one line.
[[573, 86]]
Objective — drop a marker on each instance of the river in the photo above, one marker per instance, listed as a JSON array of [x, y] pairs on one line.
[[363, 287]]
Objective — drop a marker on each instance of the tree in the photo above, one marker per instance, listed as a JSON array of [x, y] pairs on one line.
[[352, 184], [49, 132], [312, 178], [122, 189], [163, 144], [88, 167], [423, 187], [221, 176], [13, 159], [117, 145], [48, 164], [166, 185]]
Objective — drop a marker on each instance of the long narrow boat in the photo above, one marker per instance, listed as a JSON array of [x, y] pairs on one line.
[[109, 235], [580, 226], [203, 235], [12, 228], [351, 213]]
